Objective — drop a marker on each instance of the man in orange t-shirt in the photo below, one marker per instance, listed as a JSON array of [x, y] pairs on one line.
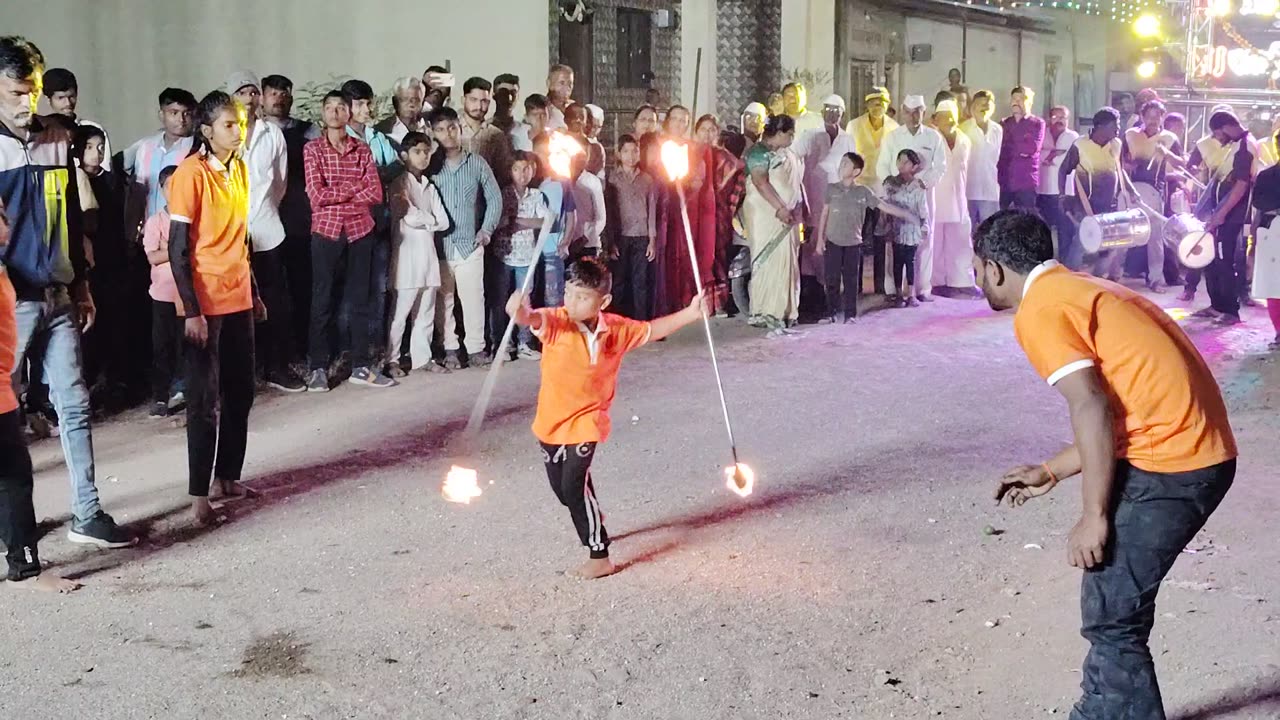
[[1153, 446], [582, 350]]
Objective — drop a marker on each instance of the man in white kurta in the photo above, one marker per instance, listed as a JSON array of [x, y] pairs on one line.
[[931, 148], [952, 244], [820, 150], [985, 137]]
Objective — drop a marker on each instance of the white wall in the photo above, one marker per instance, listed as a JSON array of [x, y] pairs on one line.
[[809, 41], [698, 30], [125, 51]]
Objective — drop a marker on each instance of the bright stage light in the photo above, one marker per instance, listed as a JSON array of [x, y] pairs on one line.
[[1146, 69], [1147, 25], [1219, 8]]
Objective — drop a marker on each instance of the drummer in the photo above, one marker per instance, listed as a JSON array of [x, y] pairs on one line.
[[1143, 158], [1095, 160]]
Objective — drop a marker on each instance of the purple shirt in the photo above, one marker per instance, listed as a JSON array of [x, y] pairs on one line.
[[1019, 166]]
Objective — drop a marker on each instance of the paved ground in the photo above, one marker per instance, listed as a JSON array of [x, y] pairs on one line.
[[856, 583]]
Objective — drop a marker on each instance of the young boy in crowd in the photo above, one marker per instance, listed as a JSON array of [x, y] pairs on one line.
[[417, 214], [524, 213], [166, 314], [633, 203], [840, 236], [582, 350]]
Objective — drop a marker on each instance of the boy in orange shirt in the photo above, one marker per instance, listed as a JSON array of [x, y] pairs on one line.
[[582, 349]]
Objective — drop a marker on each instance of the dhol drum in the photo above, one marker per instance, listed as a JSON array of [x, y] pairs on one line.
[[1197, 249], [1122, 229]]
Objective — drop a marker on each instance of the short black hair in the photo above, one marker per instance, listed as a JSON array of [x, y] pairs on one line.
[[856, 159], [1106, 116], [81, 137], [435, 69], [178, 96], [335, 95], [942, 95], [413, 139], [166, 173], [442, 114], [779, 124], [507, 79], [59, 80], [1174, 117], [19, 57], [357, 90], [1016, 239], [982, 94], [1152, 105], [911, 155], [1222, 119], [642, 108], [627, 139], [590, 273], [476, 83], [536, 102], [277, 82]]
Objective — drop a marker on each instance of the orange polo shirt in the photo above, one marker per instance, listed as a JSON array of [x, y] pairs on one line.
[[8, 343], [580, 374], [1169, 413], [214, 200]]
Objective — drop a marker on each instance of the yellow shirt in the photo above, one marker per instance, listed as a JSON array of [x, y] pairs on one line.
[[867, 141]]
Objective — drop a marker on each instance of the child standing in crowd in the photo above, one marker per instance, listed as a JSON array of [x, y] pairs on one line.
[[524, 212], [840, 236], [634, 202], [582, 350], [166, 322], [417, 213], [560, 205], [904, 191]]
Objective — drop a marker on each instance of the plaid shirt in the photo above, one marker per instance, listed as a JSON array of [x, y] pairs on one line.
[[342, 185]]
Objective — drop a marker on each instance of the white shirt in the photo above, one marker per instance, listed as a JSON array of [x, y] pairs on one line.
[[588, 196], [399, 130], [414, 262], [267, 159], [927, 143], [555, 118], [984, 182], [1049, 173], [951, 204], [821, 157], [520, 139]]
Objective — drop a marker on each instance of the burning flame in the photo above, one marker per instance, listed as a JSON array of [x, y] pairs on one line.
[[740, 478], [560, 149], [460, 485], [675, 158]]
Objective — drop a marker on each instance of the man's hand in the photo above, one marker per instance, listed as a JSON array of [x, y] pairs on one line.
[[516, 302], [821, 247], [651, 251], [783, 215], [1023, 483], [483, 238], [86, 311], [1213, 224], [1087, 544], [259, 310], [196, 330]]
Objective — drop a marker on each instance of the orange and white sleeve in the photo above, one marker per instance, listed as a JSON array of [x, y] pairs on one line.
[[1054, 344]]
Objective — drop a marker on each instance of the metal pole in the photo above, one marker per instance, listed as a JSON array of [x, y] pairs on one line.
[[697, 82]]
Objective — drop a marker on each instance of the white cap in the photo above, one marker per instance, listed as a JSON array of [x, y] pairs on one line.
[[834, 101], [755, 108], [597, 112], [948, 106], [912, 102]]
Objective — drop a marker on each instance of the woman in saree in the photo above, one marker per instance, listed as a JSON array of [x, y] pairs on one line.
[[771, 212], [674, 285], [728, 184]]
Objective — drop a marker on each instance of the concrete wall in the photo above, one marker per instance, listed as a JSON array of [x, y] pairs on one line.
[[698, 31], [809, 41], [125, 51]]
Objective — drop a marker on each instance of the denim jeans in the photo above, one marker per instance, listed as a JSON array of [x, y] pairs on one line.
[[509, 280], [51, 324], [1155, 516], [553, 280]]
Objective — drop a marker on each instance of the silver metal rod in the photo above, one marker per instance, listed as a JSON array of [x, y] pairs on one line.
[[706, 321]]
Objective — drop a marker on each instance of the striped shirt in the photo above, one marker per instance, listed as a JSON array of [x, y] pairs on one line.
[[462, 185]]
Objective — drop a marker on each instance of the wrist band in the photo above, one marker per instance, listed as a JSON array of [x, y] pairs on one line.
[[1052, 477]]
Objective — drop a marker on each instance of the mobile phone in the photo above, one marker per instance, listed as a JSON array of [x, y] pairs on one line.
[[438, 79]]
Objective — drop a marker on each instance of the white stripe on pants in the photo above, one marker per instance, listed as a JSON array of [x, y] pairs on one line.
[[953, 255], [923, 284], [423, 300], [463, 280]]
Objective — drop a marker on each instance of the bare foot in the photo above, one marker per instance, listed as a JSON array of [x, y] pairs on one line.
[[46, 582], [203, 514], [233, 489], [594, 569]]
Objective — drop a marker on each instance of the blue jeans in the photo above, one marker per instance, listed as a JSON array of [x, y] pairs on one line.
[[508, 280], [553, 280], [1155, 516], [51, 324]]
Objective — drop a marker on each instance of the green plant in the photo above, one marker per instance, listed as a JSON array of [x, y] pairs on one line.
[[811, 79], [308, 99]]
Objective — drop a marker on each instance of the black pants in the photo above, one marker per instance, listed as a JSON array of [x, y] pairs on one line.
[[569, 470], [1221, 276], [297, 270], [1018, 199], [844, 267], [631, 278], [274, 339], [495, 315], [1069, 252], [1155, 516], [220, 387], [166, 349], [17, 514], [326, 258], [879, 250], [904, 267]]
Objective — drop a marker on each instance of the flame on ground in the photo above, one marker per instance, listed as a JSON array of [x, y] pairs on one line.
[[740, 478], [675, 159], [460, 485]]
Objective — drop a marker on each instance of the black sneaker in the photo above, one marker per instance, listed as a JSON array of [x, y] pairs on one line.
[[285, 381], [159, 409], [318, 381], [101, 531], [369, 378]]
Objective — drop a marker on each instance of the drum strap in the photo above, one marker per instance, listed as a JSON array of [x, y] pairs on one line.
[[1084, 197]]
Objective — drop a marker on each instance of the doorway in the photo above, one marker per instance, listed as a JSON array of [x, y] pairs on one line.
[[863, 75], [576, 40]]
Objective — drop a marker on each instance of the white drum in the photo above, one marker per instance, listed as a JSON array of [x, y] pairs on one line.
[[1180, 226], [1108, 231], [1197, 249], [1266, 264]]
